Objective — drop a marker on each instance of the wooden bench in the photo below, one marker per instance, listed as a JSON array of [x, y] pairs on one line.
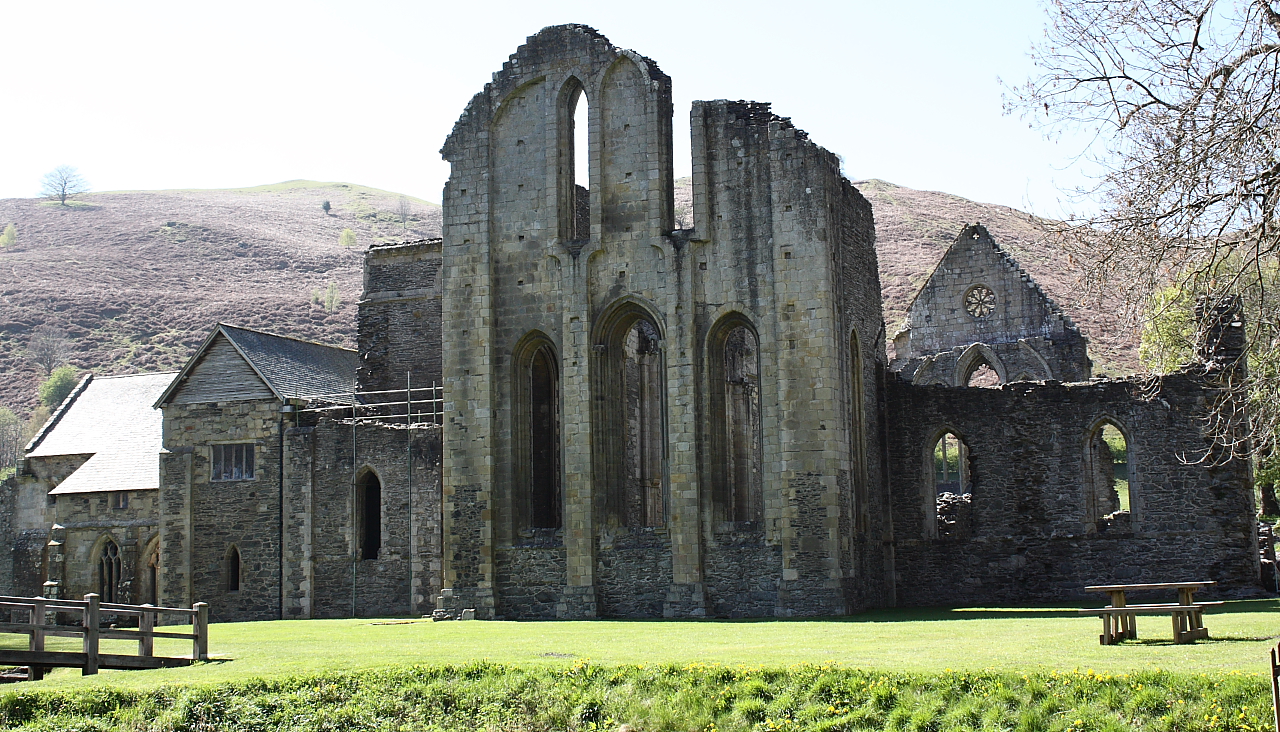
[[1119, 618]]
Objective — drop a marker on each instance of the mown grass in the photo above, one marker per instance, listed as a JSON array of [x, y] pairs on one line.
[[916, 640], [693, 697]]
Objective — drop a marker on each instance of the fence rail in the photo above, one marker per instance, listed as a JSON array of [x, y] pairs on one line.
[[412, 406], [90, 659]]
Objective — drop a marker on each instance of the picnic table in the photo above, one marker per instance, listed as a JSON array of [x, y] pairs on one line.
[[1119, 618]]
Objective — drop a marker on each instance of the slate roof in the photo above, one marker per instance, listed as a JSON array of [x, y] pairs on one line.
[[110, 418], [295, 368], [290, 367]]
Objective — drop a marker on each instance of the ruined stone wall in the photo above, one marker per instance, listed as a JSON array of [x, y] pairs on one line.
[[1030, 336], [784, 246], [405, 576], [516, 266], [201, 519], [8, 535], [786, 242], [398, 324], [1030, 539]]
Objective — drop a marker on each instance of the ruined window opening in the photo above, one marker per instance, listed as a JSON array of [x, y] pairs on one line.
[[233, 569], [544, 440], [982, 375], [745, 441], [952, 494], [369, 518], [574, 163], [581, 152], [232, 462], [1108, 489], [644, 449], [857, 437], [109, 572]]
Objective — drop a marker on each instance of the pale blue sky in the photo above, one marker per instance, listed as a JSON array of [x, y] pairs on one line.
[[142, 95]]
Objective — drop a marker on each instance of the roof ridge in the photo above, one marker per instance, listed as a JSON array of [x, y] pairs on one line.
[[129, 376], [283, 337]]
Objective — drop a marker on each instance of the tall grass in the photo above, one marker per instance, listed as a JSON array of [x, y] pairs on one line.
[[696, 697]]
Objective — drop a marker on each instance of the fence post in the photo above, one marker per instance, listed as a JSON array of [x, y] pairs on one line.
[[90, 635], [1275, 684], [200, 646], [146, 626], [36, 673]]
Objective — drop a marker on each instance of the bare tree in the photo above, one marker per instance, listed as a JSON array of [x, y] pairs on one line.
[[49, 347], [63, 182], [404, 210], [1180, 101], [12, 431]]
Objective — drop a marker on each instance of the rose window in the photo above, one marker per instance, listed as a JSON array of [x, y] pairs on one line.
[[980, 301]]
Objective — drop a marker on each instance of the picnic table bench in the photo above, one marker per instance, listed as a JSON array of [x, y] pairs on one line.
[[1119, 618]]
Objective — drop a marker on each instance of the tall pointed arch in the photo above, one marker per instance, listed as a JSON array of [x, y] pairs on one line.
[[537, 501], [1112, 498], [629, 384], [573, 161], [737, 441]]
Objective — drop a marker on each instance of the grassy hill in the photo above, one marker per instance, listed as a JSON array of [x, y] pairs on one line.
[[138, 277]]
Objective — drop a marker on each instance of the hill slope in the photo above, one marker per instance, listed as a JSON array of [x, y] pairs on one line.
[[138, 277]]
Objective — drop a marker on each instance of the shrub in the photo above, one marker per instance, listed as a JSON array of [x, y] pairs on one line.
[[347, 238], [9, 236], [58, 385]]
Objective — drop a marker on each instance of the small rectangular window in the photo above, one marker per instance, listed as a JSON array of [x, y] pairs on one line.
[[120, 499], [232, 462]]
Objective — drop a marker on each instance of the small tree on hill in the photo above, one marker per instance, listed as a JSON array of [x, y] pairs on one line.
[[404, 210], [58, 385], [326, 207], [347, 238], [332, 300], [9, 236], [63, 182], [49, 347]]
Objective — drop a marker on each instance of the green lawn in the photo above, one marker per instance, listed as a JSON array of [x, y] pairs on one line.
[[931, 641]]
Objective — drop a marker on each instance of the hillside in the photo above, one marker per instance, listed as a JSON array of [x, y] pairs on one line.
[[138, 277]]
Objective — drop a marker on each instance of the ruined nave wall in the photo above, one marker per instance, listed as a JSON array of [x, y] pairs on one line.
[[1030, 539]]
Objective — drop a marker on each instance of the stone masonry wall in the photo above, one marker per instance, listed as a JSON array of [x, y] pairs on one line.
[[200, 520], [398, 324], [786, 242], [88, 519], [405, 576], [1030, 540]]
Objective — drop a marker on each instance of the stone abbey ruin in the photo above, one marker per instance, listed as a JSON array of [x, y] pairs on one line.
[[569, 407]]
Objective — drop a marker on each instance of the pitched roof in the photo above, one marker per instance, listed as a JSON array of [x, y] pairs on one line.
[[288, 366], [110, 418]]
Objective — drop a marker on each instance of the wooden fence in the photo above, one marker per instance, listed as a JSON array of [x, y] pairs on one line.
[[91, 611], [1275, 684]]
